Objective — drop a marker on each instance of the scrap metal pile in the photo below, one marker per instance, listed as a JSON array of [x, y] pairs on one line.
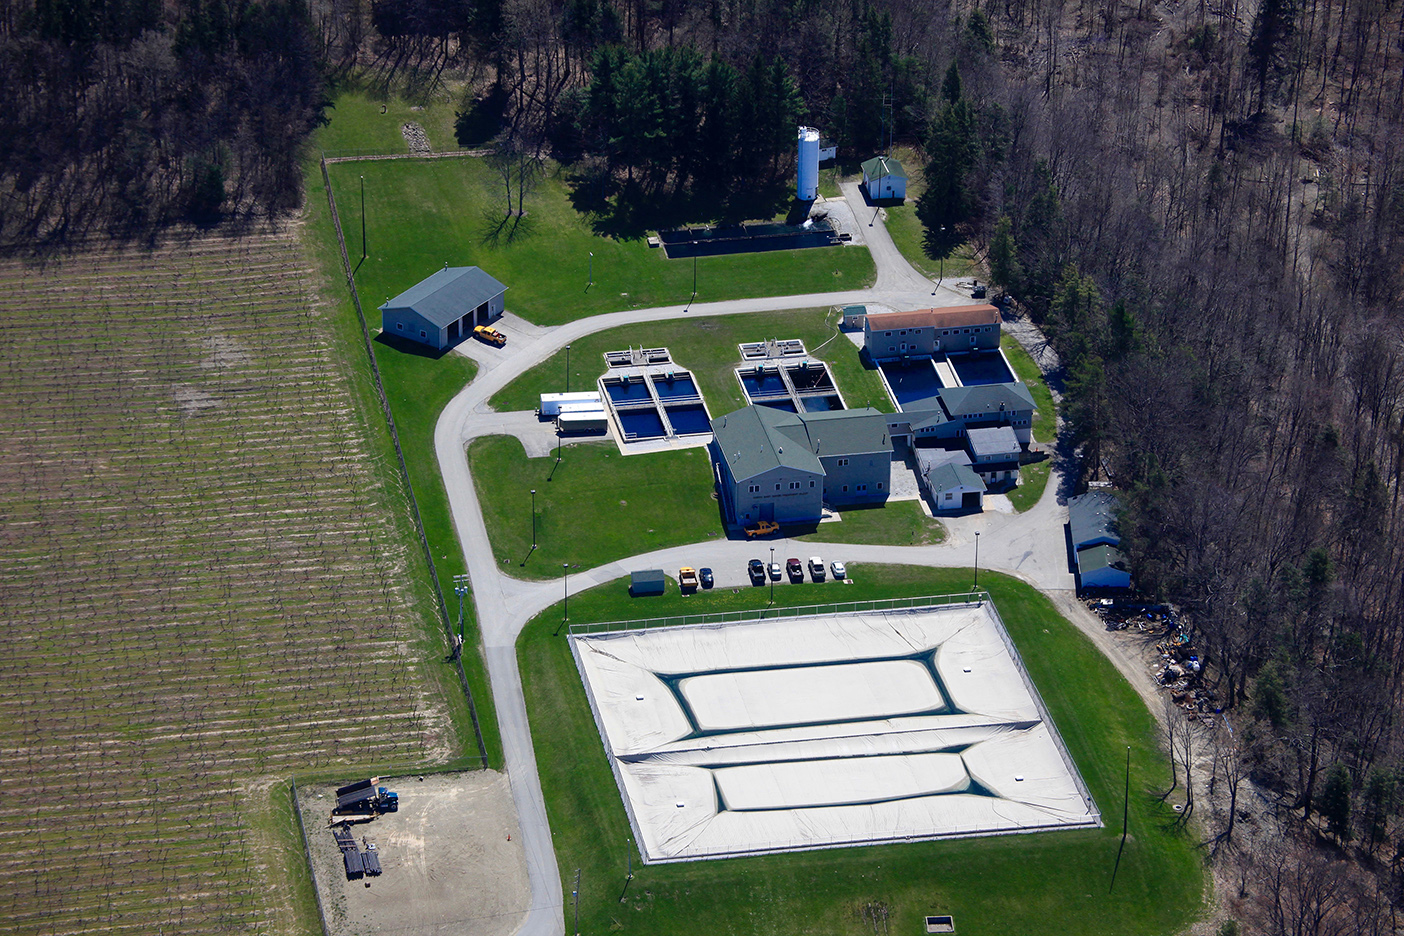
[[1178, 667]]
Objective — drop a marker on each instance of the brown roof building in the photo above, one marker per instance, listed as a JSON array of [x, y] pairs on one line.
[[925, 333]]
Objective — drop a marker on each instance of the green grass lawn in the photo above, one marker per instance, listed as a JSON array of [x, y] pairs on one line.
[[594, 507], [706, 347], [896, 523], [997, 885], [1045, 422], [1033, 479], [421, 214], [357, 127]]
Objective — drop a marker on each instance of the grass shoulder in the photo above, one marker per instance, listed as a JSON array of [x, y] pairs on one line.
[[1002, 884], [706, 347], [1033, 480], [594, 507], [1045, 425], [421, 214]]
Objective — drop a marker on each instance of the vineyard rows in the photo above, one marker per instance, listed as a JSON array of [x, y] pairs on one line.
[[202, 586]]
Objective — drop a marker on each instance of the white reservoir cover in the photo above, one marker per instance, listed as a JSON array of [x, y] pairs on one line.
[[840, 782], [806, 695]]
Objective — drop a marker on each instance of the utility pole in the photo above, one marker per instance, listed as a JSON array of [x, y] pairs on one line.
[[460, 588]]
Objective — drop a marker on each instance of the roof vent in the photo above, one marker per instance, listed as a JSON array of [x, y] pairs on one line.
[[781, 450]]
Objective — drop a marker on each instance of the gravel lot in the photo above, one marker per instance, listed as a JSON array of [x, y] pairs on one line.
[[448, 863]]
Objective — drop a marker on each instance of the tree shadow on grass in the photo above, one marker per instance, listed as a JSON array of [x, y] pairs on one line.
[[628, 211], [499, 227]]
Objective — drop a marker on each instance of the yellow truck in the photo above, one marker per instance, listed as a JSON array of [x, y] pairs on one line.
[[490, 335], [763, 528], [687, 578]]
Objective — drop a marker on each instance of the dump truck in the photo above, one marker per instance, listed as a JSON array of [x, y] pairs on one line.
[[489, 334], [763, 528], [687, 577], [366, 796]]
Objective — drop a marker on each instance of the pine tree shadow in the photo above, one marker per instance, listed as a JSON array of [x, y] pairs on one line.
[[630, 210]]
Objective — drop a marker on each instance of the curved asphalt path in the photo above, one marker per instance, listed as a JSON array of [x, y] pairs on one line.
[[1018, 543]]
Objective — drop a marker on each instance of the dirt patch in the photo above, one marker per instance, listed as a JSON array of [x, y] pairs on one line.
[[448, 863]]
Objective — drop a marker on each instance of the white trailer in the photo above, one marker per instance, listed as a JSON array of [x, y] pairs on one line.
[[551, 402], [592, 407], [582, 422]]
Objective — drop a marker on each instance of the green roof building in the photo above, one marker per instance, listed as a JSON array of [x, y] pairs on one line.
[[780, 466], [884, 179]]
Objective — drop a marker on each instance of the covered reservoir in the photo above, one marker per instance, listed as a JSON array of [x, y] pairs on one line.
[[827, 730]]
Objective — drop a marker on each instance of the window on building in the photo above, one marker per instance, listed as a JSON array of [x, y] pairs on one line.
[[879, 485], [755, 489], [862, 488], [842, 462], [845, 489], [887, 334], [949, 495], [811, 484], [423, 335], [794, 485], [777, 487], [399, 326]]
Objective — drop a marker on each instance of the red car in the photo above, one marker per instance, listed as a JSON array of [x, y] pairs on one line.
[[795, 569]]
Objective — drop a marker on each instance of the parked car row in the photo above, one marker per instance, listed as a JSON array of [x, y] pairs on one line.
[[760, 571], [689, 578]]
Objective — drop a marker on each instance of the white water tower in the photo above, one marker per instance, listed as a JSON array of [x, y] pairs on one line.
[[807, 183]]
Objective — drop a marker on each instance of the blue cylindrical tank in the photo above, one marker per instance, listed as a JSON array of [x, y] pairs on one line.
[[807, 183]]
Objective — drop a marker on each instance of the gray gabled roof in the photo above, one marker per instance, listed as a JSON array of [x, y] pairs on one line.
[[880, 166], [449, 294], [994, 441], [987, 398], [1092, 518], [927, 418], [1097, 558], [951, 475], [847, 432], [757, 439], [928, 459]]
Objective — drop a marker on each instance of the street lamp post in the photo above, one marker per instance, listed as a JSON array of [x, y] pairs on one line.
[[567, 389], [363, 217], [533, 518], [694, 280], [977, 560], [592, 270]]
